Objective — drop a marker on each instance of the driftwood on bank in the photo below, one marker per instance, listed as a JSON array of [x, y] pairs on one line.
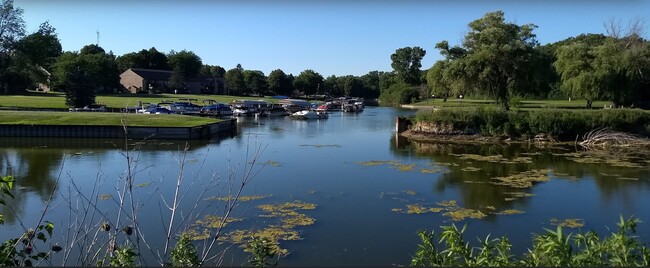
[[608, 138]]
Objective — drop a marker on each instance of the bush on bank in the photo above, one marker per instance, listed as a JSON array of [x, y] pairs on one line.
[[561, 124]]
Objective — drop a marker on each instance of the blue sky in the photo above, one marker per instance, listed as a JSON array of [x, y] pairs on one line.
[[333, 37]]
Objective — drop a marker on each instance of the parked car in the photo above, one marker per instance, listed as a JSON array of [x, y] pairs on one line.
[[90, 108], [157, 110]]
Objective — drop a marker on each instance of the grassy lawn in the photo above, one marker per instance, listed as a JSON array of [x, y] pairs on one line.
[[57, 100], [110, 119], [527, 104]]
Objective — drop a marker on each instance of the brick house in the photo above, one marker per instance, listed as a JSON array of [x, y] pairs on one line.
[[136, 80]]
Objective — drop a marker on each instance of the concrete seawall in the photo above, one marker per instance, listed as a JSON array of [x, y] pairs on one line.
[[82, 131]]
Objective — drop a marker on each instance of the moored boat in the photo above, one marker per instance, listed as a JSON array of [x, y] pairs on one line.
[[310, 114]]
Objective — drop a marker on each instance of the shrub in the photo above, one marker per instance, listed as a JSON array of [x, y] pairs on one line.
[[552, 248], [561, 124]]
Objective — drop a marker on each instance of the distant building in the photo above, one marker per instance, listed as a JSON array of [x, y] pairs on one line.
[[137, 80]]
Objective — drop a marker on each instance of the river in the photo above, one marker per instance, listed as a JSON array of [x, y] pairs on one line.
[[354, 193]]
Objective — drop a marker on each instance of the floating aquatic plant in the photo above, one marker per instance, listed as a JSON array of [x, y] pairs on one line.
[[374, 163], [419, 209], [285, 209], [510, 212], [524, 179], [516, 195], [460, 214], [242, 198], [289, 218], [447, 203], [271, 163], [393, 164], [320, 145], [143, 184], [470, 169], [476, 157], [410, 192], [105, 196], [570, 223], [212, 221]]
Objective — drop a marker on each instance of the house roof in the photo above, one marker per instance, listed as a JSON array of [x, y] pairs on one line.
[[151, 74]]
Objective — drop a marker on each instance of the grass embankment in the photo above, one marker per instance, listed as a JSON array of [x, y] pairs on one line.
[[563, 125], [102, 119], [524, 105], [118, 101]]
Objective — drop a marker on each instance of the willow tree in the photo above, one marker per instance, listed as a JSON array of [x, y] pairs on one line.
[[580, 79], [497, 54]]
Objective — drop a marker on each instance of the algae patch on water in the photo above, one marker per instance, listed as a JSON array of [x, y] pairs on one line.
[[321, 145], [105, 196], [495, 158], [570, 223], [242, 198], [410, 192], [510, 212], [212, 221], [271, 163], [599, 157], [288, 218], [392, 163], [143, 184], [470, 169], [524, 179]]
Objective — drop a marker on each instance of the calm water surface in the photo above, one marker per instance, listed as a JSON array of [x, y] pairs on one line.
[[361, 178]]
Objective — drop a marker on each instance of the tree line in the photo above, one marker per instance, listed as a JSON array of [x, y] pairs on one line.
[[496, 59], [502, 60]]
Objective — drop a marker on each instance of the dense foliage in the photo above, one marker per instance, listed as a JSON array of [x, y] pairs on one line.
[[552, 248], [561, 124]]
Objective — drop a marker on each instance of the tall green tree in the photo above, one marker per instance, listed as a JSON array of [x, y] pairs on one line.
[[41, 47], [575, 64], [279, 83], [308, 82], [12, 25], [371, 84], [79, 90], [144, 59], [235, 81], [331, 86], [177, 80], [256, 82], [31, 59], [497, 55], [406, 62], [212, 71], [91, 49], [101, 68], [12, 28], [185, 60]]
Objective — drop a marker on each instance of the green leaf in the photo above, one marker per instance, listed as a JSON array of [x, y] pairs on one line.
[[41, 236], [49, 227]]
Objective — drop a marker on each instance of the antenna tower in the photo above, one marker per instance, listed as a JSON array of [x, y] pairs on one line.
[[97, 37]]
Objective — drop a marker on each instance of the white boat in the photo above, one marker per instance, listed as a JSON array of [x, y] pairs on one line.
[[310, 114]]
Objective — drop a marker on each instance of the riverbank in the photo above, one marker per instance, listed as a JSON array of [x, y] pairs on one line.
[[109, 125], [494, 125]]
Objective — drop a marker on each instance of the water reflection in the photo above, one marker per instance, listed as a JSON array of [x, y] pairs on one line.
[[621, 176]]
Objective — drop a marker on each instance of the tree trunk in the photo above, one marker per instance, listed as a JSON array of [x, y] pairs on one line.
[[589, 102]]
